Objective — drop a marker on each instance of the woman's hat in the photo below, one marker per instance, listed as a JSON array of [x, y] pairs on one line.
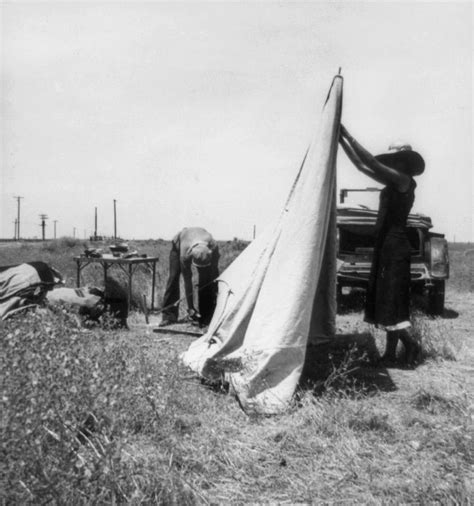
[[402, 151]]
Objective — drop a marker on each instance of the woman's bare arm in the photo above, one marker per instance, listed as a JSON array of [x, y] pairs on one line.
[[359, 164], [370, 166]]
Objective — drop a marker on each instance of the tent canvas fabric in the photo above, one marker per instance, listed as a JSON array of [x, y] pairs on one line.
[[25, 284], [279, 295]]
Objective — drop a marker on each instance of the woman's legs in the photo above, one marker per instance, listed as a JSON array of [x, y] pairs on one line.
[[390, 354], [412, 347]]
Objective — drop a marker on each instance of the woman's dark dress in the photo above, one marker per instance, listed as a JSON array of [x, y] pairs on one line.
[[388, 294]]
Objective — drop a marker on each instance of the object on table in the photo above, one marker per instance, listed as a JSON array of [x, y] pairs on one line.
[[93, 252], [119, 249]]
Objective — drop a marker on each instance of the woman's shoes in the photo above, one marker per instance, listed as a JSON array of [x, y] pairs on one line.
[[412, 353], [387, 360]]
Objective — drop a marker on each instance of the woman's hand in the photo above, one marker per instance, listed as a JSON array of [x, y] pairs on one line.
[[368, 164]]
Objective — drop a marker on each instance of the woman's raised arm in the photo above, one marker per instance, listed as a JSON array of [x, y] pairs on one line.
[[369, 165]]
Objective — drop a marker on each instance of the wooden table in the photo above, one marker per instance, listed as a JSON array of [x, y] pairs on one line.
[[127, 265]]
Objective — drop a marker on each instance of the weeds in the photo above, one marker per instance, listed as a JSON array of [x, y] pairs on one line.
[[435, 339], [68, 399], [100, 416], [341, 377], [50, 389], [435, 402], [61, 245], [336, 376]]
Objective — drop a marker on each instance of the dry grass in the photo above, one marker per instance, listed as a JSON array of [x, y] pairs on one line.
[[113, 416], [436, 339], [160, 436], [461, 256]]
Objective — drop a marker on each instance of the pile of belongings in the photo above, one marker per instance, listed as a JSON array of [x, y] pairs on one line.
[[91, 303], [93, 252], [35, 284], [119, 250], [25, 285], [88, 301]]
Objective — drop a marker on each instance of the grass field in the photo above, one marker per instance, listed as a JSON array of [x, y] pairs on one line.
[[100, 416]]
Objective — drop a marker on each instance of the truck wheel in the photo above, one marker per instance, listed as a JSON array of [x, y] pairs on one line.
[[436, 298]]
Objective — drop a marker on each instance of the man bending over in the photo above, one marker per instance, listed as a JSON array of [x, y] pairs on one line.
[[192, 247]]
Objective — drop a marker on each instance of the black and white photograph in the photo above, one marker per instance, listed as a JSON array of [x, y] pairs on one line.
[[236, 252]]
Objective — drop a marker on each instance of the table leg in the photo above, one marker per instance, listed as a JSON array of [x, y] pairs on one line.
[[105, 276], [153, 287]]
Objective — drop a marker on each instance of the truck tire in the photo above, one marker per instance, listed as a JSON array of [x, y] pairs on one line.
[[436, 298]]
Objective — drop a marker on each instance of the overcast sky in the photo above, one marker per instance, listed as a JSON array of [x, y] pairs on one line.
[[200, 113]]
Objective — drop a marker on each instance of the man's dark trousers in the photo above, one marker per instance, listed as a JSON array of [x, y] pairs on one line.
[[172, 288], [207, 286]]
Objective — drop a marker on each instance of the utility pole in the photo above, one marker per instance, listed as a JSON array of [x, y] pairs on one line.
[[43, 219], [95, 225], [55, 221], [18, 198], [74, 232], [115, 220], [16, 224]]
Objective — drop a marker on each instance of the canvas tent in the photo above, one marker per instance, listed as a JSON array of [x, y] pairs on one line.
[[279, 295]]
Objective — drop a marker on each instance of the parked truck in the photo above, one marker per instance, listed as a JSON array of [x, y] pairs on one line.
[[429, 254]]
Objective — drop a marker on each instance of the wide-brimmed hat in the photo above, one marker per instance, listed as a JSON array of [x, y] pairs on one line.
[[402, 151], [201, 255]]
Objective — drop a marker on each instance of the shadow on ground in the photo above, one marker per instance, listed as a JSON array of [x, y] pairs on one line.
[[349, 362], [449, 314], [354, 302], [420, 304]]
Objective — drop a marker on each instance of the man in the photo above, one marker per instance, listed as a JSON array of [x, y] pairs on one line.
[[192, 246]]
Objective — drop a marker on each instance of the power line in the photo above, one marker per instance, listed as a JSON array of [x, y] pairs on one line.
[[43, 218], [115, 220]]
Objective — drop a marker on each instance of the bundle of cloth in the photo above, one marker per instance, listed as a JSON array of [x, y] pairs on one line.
[[33, 284], [91, 303], [25, 285]]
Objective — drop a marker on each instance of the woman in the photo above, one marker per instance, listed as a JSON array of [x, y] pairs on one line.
[[388, 293]]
